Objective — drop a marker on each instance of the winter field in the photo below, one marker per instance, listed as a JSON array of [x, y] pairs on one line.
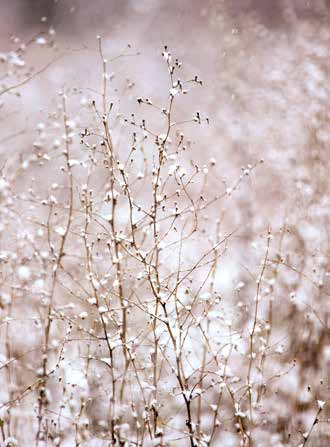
[[164, 223]]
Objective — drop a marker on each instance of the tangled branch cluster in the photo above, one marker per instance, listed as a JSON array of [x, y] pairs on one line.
[[115, 327]]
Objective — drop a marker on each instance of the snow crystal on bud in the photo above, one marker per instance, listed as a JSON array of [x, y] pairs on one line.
[[14, 59], [24, 272], [41, 41], [167, 56], [240, 414], [60, 231], [73, 163], [83, 101], [159, 432], [4, 255], [70, 124], [279, 349], [205, 296], [95, 283], [44, 254], [162, 137], [172, 169], [187, 394], [53, 200], [39, 232], [111, 195], [38, 285], [3, 184], [182, 172], [224, 371], [321, 404], [83, 315], [5, 299], [41, 126], [11, 442], [56, 144], [173, 91], [198, 391], [103, 309], [239, 286]]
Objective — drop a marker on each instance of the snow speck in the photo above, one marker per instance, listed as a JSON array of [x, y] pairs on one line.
[[24, 273]]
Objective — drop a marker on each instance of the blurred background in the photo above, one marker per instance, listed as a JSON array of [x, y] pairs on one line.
[[265, 68]]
